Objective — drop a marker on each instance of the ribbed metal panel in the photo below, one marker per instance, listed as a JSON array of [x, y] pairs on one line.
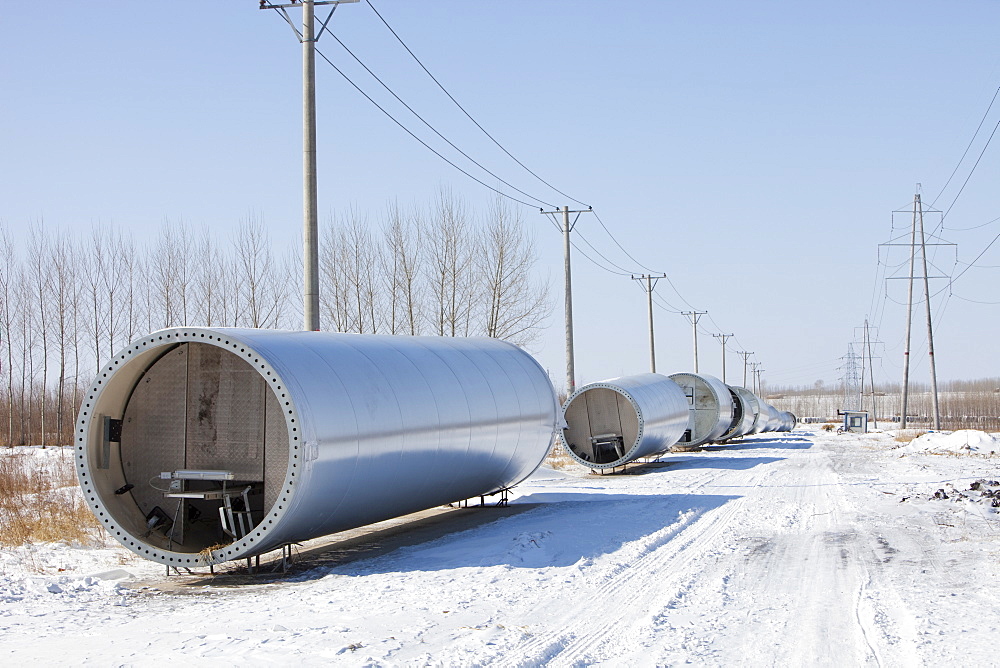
[[156, 415]]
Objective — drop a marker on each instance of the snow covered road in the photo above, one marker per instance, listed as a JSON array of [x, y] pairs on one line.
[[805, 548]]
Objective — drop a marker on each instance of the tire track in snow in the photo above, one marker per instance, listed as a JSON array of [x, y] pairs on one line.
[[629, 590]]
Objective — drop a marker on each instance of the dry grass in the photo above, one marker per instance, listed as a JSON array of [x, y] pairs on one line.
[[558, 459], [907, 435], [40, 502]]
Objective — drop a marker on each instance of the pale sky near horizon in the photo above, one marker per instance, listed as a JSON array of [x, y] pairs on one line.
[[752, 151]]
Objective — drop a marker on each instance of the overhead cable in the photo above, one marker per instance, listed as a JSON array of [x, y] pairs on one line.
[[966, 152], [410, 132], [432, 128], [467, 114]]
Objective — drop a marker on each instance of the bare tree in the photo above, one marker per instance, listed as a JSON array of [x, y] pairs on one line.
[[450, 267], [41, 287], [363, 258], [260, 285], [403, 254], [172, 268], [9, 273], [209, 281], [96, 296], [131, 272], [62, 261], [334, 281], [516, 305]]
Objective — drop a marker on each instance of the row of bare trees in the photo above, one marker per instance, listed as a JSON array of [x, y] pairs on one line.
[[440, 271], [68, 301], [968, 404]]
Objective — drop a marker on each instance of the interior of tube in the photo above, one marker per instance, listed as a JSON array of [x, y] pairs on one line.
[[201, 446], [737, 413], [602, 425]]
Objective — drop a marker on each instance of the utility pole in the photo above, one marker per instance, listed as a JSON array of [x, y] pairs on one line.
[[930, 328], [753, 376], [567, 227], [866, 354], [695, 316], [649, 287], [760, 383], [917, 222], [310, 217], [746, 356], [909, 313], [722, 339]]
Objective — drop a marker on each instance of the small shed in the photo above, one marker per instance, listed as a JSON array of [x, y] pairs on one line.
[[855, 421]]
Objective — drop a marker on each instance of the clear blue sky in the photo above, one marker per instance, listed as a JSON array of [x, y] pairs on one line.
[[753, 151]]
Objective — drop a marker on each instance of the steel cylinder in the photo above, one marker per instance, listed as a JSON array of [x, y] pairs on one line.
[[199, 445], [788, 421], [711, 405], [763, 416], [613, 422], [773, 418], [743, 414]]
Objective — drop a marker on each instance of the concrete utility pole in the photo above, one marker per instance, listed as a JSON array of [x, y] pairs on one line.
[[871, 371], [310, 217], [909, 314], [746, 357], [918, 223], [930, 328], [695, 316], [753, 376], [567, 227], [722, 339], [760, 383], [649, 287]]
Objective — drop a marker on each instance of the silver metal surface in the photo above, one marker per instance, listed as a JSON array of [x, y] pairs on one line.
[[329, 432], [756, 405], [788, 421], [763, 416], [773, 418], [711, 404], [743, 415], [645, 414]]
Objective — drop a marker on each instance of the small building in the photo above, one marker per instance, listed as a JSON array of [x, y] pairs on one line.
[[855, 421]]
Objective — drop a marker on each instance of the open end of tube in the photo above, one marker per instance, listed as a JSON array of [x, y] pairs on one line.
[[183, 449], [602, 427]]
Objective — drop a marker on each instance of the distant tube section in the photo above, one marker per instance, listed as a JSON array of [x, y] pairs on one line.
[[743, 415], [617, 421], [198, 446], [711, 406]]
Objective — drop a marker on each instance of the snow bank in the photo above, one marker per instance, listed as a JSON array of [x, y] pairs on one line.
[[962, 442]]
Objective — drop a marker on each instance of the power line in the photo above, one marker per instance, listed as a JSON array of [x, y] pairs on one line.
[[971, 172], [410, 132], [966, 152], [432, 128], [629, 255], [974, 227], [467, 114], [971, 264]]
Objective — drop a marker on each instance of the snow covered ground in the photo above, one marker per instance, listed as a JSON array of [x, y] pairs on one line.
[[808, 548]]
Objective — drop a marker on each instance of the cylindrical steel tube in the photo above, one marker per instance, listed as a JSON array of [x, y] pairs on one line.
[[743, 415], [613, 422], [199, 445], [711, 405]]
